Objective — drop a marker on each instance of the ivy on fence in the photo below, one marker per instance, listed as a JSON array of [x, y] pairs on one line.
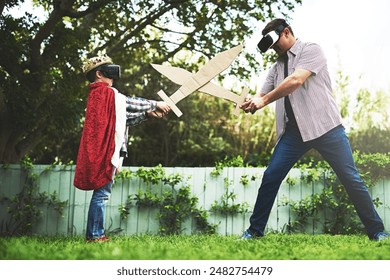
[[176, 204], [227, 206], [25, 207], [341, 217]]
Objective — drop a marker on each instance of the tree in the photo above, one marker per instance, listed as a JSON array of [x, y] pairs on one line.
[[42, 90]]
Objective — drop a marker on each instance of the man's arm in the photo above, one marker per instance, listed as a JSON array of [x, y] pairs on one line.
[[289, 85]]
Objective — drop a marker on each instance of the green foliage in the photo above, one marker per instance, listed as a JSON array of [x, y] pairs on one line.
[[372, 140], [171, 196], [41, 76], [372, 167], [172, 179], [341, 217], [269, 58], [220, 134], [197, 247], [365, 114], [291, 181], [152, 175], [227, 206], [312, 172], [147, 199], [244, 180], [124, 174], [25, 208], [178, 206], [175, 204], [227, 162]]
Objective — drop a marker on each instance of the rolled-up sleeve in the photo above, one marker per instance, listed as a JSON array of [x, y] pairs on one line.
[[312, 58]]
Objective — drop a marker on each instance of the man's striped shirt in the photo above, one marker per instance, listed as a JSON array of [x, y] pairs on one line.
[[313, 103]]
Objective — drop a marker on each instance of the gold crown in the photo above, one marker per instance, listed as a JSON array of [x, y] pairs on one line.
[[94, 62]]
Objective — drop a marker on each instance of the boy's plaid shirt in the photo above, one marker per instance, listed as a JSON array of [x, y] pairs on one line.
[[137, 109]]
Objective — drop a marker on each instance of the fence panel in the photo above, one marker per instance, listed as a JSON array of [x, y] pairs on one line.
[[243, 183]]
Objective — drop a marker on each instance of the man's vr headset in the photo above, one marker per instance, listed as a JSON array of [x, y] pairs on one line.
[[271, 38], [110, 71]]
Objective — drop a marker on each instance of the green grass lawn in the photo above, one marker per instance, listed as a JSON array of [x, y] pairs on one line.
[[196, 247]]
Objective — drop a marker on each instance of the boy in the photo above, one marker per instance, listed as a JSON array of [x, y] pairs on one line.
[[104, 137]]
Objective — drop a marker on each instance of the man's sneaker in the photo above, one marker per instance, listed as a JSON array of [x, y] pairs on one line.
[[249, 235], [381, 236]]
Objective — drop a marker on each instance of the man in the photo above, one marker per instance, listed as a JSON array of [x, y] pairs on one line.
[[104, 137], [306, 117]]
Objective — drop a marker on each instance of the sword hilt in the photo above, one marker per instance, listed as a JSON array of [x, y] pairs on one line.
[[241, 100], [170, 103]]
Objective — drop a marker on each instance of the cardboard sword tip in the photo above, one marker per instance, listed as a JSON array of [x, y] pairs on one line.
[[192, 82]]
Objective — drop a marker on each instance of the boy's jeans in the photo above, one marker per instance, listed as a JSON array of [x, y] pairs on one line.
[[95, 222], [334, 147]]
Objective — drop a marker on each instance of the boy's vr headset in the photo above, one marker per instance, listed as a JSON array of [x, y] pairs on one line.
[[271, 38], [110, 71]]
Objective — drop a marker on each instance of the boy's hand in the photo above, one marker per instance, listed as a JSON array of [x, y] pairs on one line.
[[156, 114], [163, 107]]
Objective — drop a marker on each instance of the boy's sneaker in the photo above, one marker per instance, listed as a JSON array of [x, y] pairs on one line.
[[381, 236], [100, 239]]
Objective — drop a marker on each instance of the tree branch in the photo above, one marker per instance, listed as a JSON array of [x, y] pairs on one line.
[[42, 34], [93, 7], [147, 20], [169, 30], [61, 8], [2, 6]]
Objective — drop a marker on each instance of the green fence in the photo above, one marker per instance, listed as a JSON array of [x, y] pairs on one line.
[[243, 183]]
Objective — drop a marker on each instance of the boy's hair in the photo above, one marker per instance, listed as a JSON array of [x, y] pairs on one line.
[[274, 24], [91, 76]]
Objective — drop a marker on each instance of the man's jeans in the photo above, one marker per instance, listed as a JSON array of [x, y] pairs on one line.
[[95, 223], [334, 147]]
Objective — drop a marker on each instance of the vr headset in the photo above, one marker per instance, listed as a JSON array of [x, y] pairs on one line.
[[110, 71], [271, 38]]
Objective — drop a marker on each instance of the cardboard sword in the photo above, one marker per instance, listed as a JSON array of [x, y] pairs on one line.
[[200, 81]]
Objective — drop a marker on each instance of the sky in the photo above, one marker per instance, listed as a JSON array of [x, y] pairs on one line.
[[354, 35]]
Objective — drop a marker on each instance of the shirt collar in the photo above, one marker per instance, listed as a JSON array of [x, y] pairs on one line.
[[296, 47], [293, 50]]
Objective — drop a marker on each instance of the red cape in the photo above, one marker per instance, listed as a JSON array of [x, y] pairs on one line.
[[93, 167]]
